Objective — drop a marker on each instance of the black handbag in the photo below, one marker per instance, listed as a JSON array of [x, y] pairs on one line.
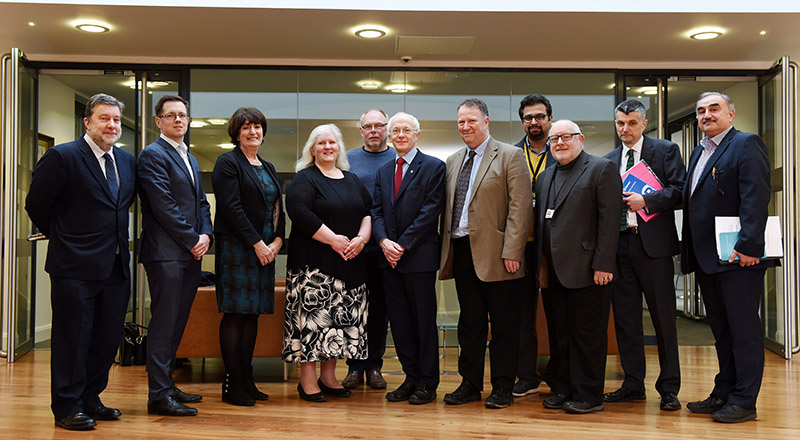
[[133, 347]]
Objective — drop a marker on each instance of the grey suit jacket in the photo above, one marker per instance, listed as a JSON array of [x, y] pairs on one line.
[[500, 209], [584, 229]]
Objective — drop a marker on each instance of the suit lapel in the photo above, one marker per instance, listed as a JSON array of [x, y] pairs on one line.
[[547, 176], [726, 141], [616, 157], [571, 180], [411, 173], [125, 180], [458, 161], [647, 151], [176, 157], [488, 157], [94, 166], [250, 171]]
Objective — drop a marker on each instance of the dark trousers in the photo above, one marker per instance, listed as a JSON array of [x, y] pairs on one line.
[[86, 330], [655, 277], [732, 299], [173, 286], [528, 305], [377, 318], [577, 320], [411, 301], [499, 300]]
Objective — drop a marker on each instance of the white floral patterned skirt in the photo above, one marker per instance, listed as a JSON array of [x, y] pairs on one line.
[[323, 320]]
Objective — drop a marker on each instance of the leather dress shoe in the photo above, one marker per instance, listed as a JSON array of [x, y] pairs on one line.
[[624, 395], [670, 402], [316, 397], [353, 379], [423, 394], [182, 397], [76, 422], [169, 406], [402, 393], [463, 394], [500, 398], [709, 406], [555, 401], [103, 412], [335, 392], [375, 379], [524, 388], [731, 413], [575, 407]]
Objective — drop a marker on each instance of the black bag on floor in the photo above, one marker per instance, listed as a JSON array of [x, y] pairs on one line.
[[133, 347]]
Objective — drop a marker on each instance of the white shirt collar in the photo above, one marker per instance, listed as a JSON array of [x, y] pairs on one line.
[[180, 148], [409, 157], [98, 152]]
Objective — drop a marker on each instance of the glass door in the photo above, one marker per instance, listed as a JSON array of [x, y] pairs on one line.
[[777, 94], [19, 146]]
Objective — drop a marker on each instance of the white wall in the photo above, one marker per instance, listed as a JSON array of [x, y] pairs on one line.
[[56, 119]]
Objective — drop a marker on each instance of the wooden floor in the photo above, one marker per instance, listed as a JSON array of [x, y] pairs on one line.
[[24, 408]]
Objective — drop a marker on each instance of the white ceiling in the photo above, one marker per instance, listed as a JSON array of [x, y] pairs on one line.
[[317, 37]]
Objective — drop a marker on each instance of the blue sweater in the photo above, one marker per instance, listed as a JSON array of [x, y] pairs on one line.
[[365, 164]]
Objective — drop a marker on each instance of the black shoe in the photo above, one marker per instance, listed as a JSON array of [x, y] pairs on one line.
[[182, 397], [575, 407], [169, 406], [234, 392], [731, 413], [463, 394], [500, 398], [250, 385], [423, 394], [708, 406], [402, 393], [524, 388], [103, 412], [556, 401], [353, 379], [316, 397], [76, 422], [623, 395], [375, 379], [334, 392], [670, 402]]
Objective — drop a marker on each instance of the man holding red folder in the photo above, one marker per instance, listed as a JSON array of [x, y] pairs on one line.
[[644, 259]]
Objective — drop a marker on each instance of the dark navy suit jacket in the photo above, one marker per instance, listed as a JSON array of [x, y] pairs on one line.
[[659, 236], [412, 219], [174, 209], [70, 202], [734, 182]]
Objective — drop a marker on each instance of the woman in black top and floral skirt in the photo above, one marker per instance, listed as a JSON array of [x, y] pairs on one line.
[[249, 230], [326, 295]]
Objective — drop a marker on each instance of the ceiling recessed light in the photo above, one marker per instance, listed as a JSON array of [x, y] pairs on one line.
[[649, 90], [226, 146], [369, 31], [31, 24], [94, 28], [706, 34], [762, 33], [197, 124], [369, 84], [217, 121], [399, 88]]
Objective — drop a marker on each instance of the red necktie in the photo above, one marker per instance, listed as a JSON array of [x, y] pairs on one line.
[[398, 176]]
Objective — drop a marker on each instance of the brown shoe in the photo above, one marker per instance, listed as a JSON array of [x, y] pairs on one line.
[[353, 379], [375, 380]]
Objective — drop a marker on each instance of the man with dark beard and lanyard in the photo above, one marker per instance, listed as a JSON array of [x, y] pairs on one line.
[[536, 114]]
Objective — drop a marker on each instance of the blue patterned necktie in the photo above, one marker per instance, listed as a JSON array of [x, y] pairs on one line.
[[623, 225], [462, 184], [111, 177]]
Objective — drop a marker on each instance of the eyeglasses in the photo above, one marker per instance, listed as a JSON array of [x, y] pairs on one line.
[[369, 127], [173, 116], [541, 117], [566, 137], [405, 131]]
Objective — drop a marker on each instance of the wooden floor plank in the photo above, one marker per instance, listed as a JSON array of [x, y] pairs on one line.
[[25, 400]]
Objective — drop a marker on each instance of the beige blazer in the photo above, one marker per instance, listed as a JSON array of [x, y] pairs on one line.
[[500, 209]]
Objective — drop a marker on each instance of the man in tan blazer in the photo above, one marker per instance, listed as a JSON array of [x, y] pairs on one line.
[[487, 215]]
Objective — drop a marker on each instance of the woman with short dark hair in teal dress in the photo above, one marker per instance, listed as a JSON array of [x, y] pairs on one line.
[[249, 231]]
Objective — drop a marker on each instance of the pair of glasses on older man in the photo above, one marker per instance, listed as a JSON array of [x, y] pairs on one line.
[[566, 137]]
